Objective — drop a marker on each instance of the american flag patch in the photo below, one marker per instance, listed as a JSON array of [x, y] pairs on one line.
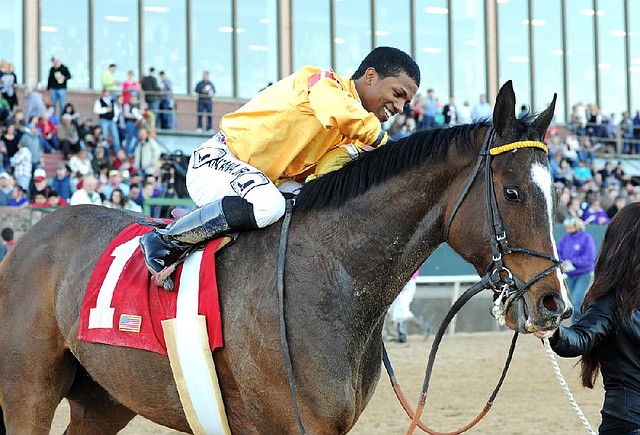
[[129, 323]]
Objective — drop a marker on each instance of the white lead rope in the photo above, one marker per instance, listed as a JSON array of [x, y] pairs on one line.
[[565, 387]]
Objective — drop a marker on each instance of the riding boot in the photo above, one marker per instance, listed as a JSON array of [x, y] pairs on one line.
[[162, 247]]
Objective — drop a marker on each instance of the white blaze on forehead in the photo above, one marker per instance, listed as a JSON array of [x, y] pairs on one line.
[[542, 178]]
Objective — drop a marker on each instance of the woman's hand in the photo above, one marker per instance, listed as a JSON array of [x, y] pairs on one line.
[[545, 334]]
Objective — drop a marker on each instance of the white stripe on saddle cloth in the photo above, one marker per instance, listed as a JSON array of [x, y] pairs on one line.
[[191, 358]]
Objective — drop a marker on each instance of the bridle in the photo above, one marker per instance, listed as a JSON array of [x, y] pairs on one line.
[[497, 277]]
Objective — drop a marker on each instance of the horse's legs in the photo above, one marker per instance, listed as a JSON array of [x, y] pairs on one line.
[[32, 387], [93, 410]]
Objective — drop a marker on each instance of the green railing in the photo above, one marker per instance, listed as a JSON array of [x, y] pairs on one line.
[[176, 202]]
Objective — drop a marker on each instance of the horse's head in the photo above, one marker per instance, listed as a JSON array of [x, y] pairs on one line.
[[516, 252]]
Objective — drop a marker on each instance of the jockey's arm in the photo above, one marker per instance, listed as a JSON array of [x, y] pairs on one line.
[[337, 158]]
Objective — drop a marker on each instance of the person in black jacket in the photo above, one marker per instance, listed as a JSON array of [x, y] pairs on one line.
[[608, 333], [57, 85]]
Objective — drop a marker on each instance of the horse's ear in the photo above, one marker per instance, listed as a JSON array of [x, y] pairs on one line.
[[541, 123], [504, 114]]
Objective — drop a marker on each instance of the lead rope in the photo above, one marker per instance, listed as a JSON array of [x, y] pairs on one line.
[[565, 387]]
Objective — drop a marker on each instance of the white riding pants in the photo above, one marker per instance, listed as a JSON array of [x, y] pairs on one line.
[[214, 172]]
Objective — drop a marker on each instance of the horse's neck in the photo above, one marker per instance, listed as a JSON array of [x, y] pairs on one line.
[[381, 237]]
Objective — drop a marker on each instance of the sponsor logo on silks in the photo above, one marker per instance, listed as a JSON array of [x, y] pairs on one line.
[[129, 323], [245, 182]]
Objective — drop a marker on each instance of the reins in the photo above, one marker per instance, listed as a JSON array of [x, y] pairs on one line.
[[284, 344], [415, 416]]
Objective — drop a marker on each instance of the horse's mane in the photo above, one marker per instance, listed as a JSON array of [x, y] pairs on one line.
[[355, 178]]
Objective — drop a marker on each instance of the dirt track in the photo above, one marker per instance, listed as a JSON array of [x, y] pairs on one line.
[[466, 371]]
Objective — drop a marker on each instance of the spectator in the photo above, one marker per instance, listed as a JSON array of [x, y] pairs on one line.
[[39, 184], [38, 200], [86, 193], [135, 198], [19, 197], [400, 309], [22, 164], [582, 174], [116, 200], [619, 203], [450, 112], [464, 115], [70, 110], [68, 136], [108, 80], [130, 87], [151, 91], [8, 82], [9, 141], [7, 236], [107, 112], [166, 102], [205, 90], [100, 160], [5, 111], [80, 163], [61, 181], [595, 214], [481, 110], [114, 182], [48, 133], [34, 104], [123, 162], [428, 112], [6, 188], [57, 84], [55, 200], [149, 122], [147, 155], [132, 117], [577, 250]]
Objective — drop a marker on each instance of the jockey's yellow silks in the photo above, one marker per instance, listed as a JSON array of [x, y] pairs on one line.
[[285, 129]]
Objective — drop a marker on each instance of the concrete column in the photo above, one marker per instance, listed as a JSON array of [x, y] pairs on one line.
[[31, 42], [492, 50], [286, 63]]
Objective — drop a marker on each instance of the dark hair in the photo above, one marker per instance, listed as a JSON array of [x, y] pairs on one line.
[[389, 62], [617, 271], [7, 234]]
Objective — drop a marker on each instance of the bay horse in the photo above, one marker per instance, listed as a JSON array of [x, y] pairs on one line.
[[356, 236]]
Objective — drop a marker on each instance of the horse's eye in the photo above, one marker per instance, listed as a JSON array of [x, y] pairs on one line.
[[513, 194]]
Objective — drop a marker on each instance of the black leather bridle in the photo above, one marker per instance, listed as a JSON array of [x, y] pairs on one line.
[[497, 276]]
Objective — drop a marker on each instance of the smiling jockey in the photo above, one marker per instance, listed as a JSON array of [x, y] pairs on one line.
[[307, 124]]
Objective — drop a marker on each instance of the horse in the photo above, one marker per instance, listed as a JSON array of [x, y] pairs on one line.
[[356, 236]]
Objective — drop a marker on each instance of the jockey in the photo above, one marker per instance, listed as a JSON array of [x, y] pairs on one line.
[[303, 126]]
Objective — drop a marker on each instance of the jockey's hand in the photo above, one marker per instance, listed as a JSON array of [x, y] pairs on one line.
[[545, 334], [334, 160]]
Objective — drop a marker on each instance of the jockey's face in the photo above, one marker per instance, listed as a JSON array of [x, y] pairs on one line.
[[384, 97]]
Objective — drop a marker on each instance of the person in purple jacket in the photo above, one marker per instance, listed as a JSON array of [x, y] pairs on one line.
[[577, 250]]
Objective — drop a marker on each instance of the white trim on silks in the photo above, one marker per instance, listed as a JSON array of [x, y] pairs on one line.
[[191, 358]]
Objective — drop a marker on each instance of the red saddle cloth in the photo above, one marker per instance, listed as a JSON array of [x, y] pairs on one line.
[[122, 307]]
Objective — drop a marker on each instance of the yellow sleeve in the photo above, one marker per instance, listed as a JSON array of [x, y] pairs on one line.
[[335, 108], [334, 160]]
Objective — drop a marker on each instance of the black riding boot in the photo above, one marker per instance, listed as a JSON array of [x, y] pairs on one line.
[[162, 247]]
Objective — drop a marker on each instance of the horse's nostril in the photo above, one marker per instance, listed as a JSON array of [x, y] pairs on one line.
[[550, 303]]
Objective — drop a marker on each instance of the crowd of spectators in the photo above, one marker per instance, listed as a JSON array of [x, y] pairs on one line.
[[110, 157]]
